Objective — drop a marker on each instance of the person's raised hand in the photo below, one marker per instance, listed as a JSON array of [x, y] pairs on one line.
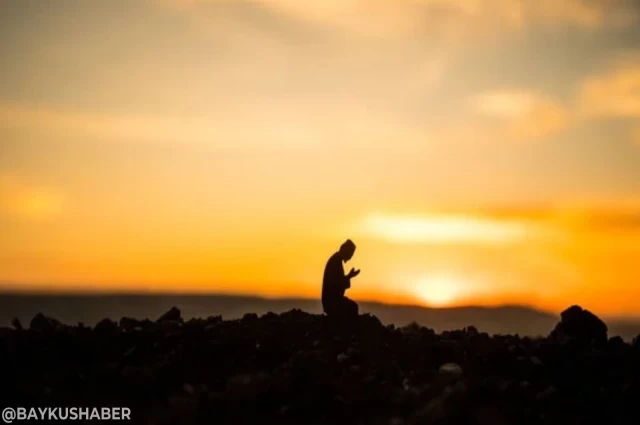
[[353, 273]]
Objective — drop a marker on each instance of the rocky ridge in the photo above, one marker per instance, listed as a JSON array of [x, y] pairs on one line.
[[300, 368]]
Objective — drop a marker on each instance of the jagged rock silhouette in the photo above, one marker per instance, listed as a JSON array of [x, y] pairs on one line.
[[299, 368], [581, 326]]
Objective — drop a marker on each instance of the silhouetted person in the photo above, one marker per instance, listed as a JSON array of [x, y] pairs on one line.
[[335, 283]]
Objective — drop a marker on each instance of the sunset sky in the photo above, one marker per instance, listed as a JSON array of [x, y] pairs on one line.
[[477, 151]]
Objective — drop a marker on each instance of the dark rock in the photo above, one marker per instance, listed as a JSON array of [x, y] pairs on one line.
[[370, 322], [547, 393], [212, 320], [269, 316], [173, 315], [536, 361], [249, 317], [248, 386], [106, 326], [42, 323], [616, 345], [17, 325], [471, 331], [189, 389], [299, 368], [452, 369], [129, 324], [581, 326]]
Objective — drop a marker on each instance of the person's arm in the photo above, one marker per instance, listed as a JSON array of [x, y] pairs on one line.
[[353, 273]]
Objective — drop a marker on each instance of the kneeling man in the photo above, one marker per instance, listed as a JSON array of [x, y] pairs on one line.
[[335, 283]]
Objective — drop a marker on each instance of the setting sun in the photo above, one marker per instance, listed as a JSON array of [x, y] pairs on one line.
[[439, 290]]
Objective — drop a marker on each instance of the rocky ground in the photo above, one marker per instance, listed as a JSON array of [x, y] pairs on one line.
[[298, 368]]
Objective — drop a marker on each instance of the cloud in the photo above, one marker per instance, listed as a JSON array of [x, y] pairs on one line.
[[610, 221], [614, 94], [446, 18], [18, 199], [443, 229], [520, 115], [259, 125], [508, 104], [496, 226]]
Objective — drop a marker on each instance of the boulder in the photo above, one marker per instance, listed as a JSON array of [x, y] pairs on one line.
[[129, 324], [17, 325], [42, 323], [106, 326], [173, 315], [581, 326]]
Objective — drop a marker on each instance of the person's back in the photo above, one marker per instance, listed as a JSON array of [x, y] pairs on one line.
[[335, 283]]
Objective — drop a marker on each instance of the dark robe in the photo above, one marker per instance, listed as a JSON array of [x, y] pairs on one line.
[[334, 285]]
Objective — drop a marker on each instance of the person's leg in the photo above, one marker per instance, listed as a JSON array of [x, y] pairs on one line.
[[329, 306], [350, 307]]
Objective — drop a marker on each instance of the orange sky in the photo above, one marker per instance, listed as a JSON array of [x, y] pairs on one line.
[[475, 154]]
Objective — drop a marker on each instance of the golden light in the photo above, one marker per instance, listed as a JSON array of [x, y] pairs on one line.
[[443, 228], [439, 290]]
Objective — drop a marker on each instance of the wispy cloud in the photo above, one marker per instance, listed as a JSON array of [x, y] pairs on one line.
[[499, 226], [442, 18], [272, 126], [615, 93], [520, 115], [446, 228]]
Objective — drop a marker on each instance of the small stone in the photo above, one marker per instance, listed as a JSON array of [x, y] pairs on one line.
[[130, 352], [536, 361], [189, 389], [451, 369], [16, 324], [396, 421], [548, 392], [285, 409]]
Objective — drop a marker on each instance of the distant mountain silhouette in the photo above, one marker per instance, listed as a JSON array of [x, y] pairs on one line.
[[90, 309]]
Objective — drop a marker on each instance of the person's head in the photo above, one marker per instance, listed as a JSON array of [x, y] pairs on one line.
[[347, 250]]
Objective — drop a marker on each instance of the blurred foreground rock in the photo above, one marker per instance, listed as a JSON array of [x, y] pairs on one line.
[[298, 368], [581, 326]]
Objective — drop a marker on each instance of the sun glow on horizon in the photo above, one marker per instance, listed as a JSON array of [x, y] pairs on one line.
[[439, 290]]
